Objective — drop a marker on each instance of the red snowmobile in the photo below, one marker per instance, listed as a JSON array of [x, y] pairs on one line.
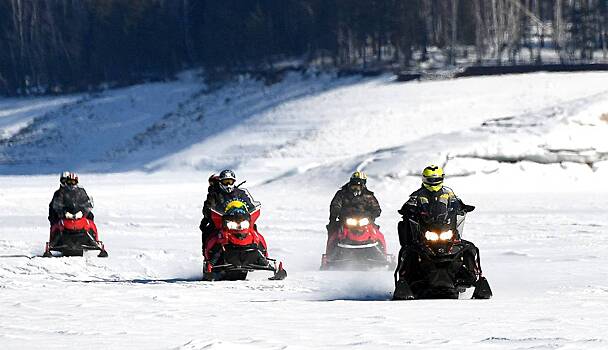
[[357, 244], [74, 234], [237, 248]]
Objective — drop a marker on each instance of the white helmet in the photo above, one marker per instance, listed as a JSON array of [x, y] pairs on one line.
[[68, 179], [227, 179]]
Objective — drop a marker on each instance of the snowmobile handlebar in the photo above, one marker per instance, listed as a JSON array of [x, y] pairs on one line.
[[467, 208]]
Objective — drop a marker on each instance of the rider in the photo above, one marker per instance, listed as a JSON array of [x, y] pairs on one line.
[[431, 198], [69, 196], [222, 190], [351, 197]]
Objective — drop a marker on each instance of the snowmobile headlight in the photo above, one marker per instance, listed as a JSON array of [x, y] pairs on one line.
[[69, 215], [244, 225], [447, 235], [232, 225], [351, 222], [78, 215], [364, 222], [431, 236]]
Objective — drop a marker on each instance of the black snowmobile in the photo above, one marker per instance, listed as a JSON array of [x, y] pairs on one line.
[[437, 263]]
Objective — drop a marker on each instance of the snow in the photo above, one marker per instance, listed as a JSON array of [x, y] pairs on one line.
[[528, 150]]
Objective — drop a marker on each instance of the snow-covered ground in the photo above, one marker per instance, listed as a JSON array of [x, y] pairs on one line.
[[530, 151]]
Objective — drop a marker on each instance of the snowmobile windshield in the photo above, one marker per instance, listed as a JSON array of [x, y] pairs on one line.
[[256, 204], [240, 215], [438, 227], [72, 207], [440, 217], [354, 213], [238, 202], [443, 219]]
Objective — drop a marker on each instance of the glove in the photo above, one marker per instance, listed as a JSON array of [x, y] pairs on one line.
[[204, 223], [333, 226]]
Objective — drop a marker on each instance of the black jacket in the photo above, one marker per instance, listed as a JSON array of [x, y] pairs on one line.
[[72, 199], [423, 202], [345, 203]]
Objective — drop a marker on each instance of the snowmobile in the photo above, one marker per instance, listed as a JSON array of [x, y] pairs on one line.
[[237, 248], [73, 235], [357, 245], [441, 264]]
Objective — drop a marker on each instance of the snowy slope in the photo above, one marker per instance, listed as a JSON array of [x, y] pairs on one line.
[[529, 151], [81, 132], [306, 121]]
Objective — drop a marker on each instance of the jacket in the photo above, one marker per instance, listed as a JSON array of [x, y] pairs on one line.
[[345, 203]]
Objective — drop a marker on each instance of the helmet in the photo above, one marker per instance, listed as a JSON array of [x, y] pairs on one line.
[[213, 179], [357, 182], [227, 180], [358, 177], [432, 178], [68, 178], [236, 207]]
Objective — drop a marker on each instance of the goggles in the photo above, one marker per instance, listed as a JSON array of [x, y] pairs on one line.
[[432, 180], [227, 182], [355, 182], [71, 182]]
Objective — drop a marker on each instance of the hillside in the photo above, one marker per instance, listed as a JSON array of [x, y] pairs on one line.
[[308, 123]]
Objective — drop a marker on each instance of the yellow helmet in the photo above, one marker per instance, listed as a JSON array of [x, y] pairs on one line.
[[358, 177], [432, 178], [235, 205]]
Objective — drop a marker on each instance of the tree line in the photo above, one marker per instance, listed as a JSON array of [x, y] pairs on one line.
[[59, 46]]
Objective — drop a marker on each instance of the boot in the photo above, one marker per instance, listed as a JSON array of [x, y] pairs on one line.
[[403, 291]]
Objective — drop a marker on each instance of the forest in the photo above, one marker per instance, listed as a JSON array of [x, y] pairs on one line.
[[63, 46]]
